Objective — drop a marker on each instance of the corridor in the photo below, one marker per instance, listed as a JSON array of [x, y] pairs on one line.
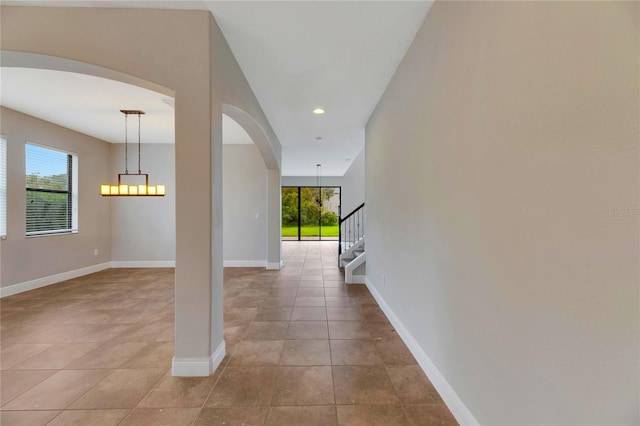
[[303, 348]]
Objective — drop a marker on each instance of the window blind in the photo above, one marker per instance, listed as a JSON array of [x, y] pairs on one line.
[[51, 185], [3, 186]]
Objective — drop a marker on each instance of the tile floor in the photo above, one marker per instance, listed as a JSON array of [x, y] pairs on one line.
[[303, 348]]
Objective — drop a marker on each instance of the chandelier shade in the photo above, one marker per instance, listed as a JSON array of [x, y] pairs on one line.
[[122, 189]]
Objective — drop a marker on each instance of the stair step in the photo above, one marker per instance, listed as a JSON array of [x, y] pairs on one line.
[[356, 254]]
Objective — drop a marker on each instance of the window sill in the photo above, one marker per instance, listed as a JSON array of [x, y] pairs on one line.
[[51, 234]]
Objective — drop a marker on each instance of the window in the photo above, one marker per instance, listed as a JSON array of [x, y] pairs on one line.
[[3, 187], [52, 191], [310, 213]]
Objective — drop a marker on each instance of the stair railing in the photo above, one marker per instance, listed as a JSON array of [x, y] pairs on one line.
[[350, 229]]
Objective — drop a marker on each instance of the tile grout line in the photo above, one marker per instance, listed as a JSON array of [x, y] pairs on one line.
[[333, 384]]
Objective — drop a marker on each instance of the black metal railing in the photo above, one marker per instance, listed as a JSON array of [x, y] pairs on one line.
[[350, 229]]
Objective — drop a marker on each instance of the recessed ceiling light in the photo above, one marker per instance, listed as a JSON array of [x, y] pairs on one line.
[[318, 138], [318, 111]]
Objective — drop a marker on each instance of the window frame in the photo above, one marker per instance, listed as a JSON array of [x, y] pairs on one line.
[[71, 192], [3, 186]]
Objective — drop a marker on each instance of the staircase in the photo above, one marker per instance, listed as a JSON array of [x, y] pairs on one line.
[[351, 253]]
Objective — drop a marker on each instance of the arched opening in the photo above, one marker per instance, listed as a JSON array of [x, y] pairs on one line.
[[244, 185], [195, 66], [194, 281], [242, 125], [88, 99]]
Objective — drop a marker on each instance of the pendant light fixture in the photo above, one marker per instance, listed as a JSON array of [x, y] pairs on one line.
[[129, 190], [318, 184]]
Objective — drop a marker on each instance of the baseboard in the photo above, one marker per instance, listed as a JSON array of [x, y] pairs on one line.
[[357, 279], [143, 264], [218, 356], [198, 367], [275, 265], [449, 396], [244, 264], [52, 279]]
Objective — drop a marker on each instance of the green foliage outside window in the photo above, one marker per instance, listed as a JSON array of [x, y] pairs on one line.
[[314, 210], [309, 207], [47, 211]]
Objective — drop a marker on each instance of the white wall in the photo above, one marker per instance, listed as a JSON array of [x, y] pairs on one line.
[[353, 185], [244, 206], [26, 259], [143, 230], [506, 138]]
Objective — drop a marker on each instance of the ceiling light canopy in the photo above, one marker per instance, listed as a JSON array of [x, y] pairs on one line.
[[128, 190]]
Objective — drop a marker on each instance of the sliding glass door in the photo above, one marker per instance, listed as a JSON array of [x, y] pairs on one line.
[[310, 213]]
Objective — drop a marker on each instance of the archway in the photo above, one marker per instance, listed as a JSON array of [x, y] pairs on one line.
[[133, 46], [272, 163], [193, 61]]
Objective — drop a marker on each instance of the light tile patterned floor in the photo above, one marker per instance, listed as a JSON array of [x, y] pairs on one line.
[[303, 348]]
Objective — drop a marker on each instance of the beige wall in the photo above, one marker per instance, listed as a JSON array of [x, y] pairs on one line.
[[24, 259], [184, 54], [508, 132], [143, 230], [172, 49], [245, 206]]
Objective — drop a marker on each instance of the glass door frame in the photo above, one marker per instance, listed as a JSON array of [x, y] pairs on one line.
[[319, 210]]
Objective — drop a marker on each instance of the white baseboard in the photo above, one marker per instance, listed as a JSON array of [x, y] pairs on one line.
[[198, 367], [244, 263], [143, 264], [449, 396], [275, 265], [357, 279], [52, 279]]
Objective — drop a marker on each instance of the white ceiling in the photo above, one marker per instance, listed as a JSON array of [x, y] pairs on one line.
[[298, 55], [92, 105], [87, 104]]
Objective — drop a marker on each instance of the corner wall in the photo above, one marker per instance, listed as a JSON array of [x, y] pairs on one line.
[[353, 185], [500, 163], [245, 206], [27, 259]]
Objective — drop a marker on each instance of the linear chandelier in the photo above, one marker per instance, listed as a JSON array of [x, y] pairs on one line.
[[128, 190]]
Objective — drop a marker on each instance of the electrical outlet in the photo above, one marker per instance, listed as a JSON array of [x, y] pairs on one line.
[[95, 252]]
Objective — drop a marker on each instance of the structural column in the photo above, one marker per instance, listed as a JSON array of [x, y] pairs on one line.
[[194, 233], [274, 221]]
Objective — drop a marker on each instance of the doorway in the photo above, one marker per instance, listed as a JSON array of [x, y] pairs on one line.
[[310, 213]]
